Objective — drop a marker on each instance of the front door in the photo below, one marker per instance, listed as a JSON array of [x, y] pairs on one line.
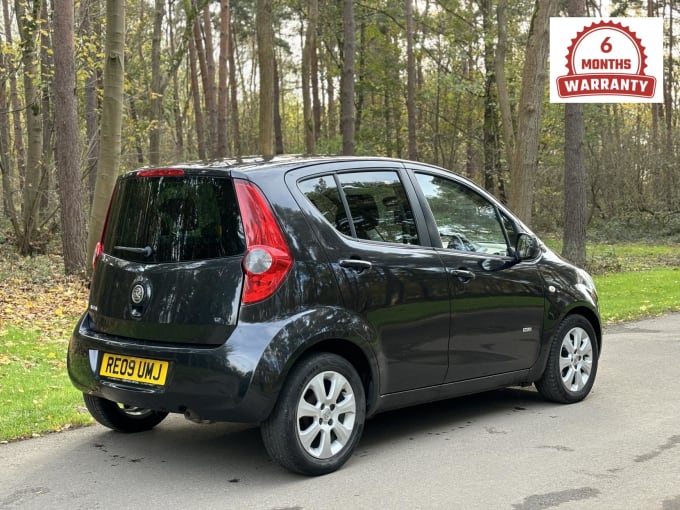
[[498, 304]]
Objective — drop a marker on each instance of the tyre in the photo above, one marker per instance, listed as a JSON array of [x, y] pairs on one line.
[[318, 418], [121, 417], [572, 363]]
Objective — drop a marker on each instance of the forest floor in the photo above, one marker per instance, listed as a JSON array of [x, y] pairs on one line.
[[36, 295]]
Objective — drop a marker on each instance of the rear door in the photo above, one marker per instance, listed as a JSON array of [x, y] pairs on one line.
[[498, 305], [171, 264], [373, 238]]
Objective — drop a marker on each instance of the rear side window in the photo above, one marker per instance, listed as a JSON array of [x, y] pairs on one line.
[[378, 208], [174, 219]]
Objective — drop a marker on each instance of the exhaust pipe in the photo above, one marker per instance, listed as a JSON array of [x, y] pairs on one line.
[[193, 417]]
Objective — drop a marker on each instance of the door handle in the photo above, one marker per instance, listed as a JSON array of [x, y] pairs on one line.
[[462, 274], [356, 264]]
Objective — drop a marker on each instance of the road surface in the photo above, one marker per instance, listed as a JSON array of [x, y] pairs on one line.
[[619, 449]]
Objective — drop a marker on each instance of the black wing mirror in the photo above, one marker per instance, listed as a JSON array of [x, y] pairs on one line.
[[527, 247]]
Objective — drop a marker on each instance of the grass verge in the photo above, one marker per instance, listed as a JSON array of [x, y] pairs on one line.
[[634, 295], [36, 394]]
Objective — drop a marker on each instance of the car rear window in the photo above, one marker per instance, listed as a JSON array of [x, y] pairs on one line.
[[174, 219]]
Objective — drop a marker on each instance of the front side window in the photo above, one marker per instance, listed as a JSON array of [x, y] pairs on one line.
[[174, 219], [466, 221], [377, 206]]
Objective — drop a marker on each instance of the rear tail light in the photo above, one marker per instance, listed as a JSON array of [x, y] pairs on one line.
[[98, 250], [268, 258], [161, 172]]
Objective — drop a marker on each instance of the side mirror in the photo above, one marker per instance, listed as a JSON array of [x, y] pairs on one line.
[[527, 247]]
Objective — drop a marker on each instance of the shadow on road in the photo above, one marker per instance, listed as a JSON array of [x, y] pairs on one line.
[[224, 451]]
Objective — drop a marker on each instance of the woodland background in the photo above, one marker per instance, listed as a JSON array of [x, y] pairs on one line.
[[96, 87]]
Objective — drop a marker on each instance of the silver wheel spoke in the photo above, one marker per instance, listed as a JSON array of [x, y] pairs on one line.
[[564, 363], [586, 349], [307, 409], [308, 435], [346, 406], [325, 447], [343, 432], [587, 366], [578, 381], [316, 386], [337, 386]]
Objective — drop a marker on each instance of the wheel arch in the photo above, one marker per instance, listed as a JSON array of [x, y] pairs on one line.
[[357, 357], [579, 309], [335, 332], [594, 320]]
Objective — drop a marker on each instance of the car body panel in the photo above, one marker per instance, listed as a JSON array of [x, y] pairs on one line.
[[414, 329]]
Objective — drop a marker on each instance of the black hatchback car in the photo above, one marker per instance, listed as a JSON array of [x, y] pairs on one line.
[[308, 294]]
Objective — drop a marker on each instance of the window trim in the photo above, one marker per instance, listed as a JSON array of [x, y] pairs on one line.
[[492, 201], [424, 237]]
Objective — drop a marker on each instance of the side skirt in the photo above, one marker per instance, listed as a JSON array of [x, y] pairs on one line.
[[449, 390]]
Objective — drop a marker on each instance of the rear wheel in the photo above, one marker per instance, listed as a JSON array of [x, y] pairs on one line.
[[572, 363], [121, 417], [319, 417]]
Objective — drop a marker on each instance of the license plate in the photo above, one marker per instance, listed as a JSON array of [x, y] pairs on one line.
[[129, 368]]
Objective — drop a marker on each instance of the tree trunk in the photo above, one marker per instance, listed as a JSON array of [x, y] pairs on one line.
[[307, 54], [9, 208], [176, 102], [91, 103], [330, 111], [278, 128], [156, 98], [575, 202], [29, 31], [490, 126], [222, 92], [233, 90], [347, 81], [196, 96], [265, 52], [46, 83], [67, 139], [411, 83], [17, 128], [209, 85], [209, 102], [524, 161], [502, 83], [112, 119]]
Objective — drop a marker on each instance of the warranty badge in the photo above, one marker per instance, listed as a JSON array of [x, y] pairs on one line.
[[607, 61]]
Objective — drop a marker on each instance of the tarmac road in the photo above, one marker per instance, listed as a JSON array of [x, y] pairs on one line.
[[619, 449]]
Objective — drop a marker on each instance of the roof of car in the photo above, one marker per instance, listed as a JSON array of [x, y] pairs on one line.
[[249, 163]]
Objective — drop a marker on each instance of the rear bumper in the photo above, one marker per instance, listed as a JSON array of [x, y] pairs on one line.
[[207, 383]]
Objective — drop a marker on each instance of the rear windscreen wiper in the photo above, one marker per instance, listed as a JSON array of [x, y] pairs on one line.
[[147, 251]]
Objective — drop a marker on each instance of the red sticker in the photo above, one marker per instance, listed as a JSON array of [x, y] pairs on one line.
[[606, 59]]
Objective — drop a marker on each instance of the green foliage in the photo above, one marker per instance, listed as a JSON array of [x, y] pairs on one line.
[[35, 392], [634, 295]]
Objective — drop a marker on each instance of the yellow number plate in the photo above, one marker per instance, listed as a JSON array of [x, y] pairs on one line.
[[128, 368]]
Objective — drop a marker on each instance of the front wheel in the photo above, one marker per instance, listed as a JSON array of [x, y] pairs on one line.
[[121, 417], [572, 363], [319, 417]]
